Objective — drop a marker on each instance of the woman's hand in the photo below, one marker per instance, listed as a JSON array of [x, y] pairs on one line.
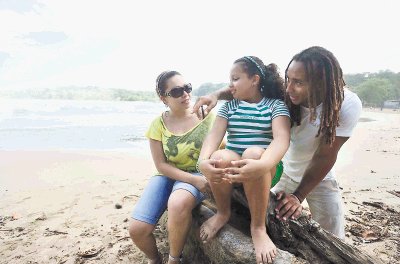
[[209, 100], [245, 170], [209, 169], [201, 183]]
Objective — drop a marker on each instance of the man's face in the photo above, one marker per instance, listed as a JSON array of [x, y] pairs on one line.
[[297, 84]]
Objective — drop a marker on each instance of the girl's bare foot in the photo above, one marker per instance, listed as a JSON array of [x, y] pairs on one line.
[[210, 228], [265, 249]]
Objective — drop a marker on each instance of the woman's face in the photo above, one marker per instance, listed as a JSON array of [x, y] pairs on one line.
[[242, 86], [297, 84], [176, 82]]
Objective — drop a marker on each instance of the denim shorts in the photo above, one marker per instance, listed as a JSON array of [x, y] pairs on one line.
[[154, 199]]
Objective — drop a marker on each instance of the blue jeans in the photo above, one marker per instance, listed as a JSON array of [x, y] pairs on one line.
[[154, 199]]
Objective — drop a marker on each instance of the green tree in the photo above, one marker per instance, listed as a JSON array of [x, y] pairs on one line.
[[207, 88], [374, 91]]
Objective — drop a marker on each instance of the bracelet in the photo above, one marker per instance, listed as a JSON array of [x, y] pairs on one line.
[[298, 199], [197, 166]]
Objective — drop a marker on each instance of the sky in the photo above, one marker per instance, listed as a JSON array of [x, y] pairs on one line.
[[126, 44]]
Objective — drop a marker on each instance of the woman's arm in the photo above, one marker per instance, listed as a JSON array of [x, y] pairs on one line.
[[249, 169], [172, 172], [211, 100]]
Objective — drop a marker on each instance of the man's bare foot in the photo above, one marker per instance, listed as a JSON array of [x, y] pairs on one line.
[[210, 228], [265, 249]]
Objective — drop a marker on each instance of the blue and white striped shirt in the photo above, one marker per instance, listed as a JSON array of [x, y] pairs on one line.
[[250, 124]]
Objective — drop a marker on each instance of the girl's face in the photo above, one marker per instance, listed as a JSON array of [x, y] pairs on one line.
[[242, 86], [174, 86]]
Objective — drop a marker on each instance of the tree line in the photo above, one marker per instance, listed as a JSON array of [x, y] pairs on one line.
[[372, 88], [82, 93], [375, 88]]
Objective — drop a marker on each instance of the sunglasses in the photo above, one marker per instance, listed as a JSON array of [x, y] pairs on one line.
[[177, 92]]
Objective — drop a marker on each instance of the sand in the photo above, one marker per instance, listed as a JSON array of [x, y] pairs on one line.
[[60, 206]]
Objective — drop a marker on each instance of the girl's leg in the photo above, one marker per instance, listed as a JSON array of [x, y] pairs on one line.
[[257, 194], [222, 195], [146, 214], [180, 206]]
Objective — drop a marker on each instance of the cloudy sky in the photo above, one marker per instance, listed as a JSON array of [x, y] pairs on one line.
[[126, 44]]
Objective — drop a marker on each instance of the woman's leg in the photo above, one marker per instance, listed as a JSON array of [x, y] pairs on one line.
[[141, 234], [257, 194], [222, 195], [180, 206], [146, 214]]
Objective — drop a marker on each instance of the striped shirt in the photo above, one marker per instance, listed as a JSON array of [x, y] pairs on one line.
[[250, 124]]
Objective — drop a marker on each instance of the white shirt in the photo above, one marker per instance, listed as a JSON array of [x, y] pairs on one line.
[[303, 142]]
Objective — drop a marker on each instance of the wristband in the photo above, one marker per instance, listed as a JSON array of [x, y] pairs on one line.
[[298, 199]]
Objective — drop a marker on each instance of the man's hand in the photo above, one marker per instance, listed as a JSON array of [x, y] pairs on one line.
[[245, 170], [288, 207], [209, 100], [209, 168]]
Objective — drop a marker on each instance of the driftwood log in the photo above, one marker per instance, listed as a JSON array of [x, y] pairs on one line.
[[298, 241]]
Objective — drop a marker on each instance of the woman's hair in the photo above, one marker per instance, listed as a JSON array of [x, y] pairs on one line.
[[326, 83], [161, 81], [271, 83]]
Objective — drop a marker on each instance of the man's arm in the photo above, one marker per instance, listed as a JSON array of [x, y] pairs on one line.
[[321, 163]]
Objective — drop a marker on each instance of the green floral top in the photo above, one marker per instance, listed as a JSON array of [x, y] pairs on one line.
[[182, 151]]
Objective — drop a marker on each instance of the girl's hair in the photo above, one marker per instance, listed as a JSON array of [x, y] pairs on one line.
[[326, 83], [162, 80], [271, 83]]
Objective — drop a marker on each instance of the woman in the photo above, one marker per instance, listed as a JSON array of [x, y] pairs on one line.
[[175, 139]]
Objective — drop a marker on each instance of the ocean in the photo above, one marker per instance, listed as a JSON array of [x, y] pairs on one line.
[[29, 124]]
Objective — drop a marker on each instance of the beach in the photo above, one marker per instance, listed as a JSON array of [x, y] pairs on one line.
[[73, 206]]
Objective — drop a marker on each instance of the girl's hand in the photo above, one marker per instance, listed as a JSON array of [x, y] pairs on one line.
[[245, 170], [201, 183], [208, 169], [209, 100]]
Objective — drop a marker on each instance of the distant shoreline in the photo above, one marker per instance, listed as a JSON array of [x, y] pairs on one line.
[[81, 93]]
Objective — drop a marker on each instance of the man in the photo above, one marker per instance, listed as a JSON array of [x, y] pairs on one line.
[[323, 114]]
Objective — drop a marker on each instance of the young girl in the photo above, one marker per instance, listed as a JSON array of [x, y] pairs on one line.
[[175, 139], [258, 126]]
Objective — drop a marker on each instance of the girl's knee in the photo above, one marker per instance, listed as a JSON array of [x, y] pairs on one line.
[[253, 153], [226, 156]]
